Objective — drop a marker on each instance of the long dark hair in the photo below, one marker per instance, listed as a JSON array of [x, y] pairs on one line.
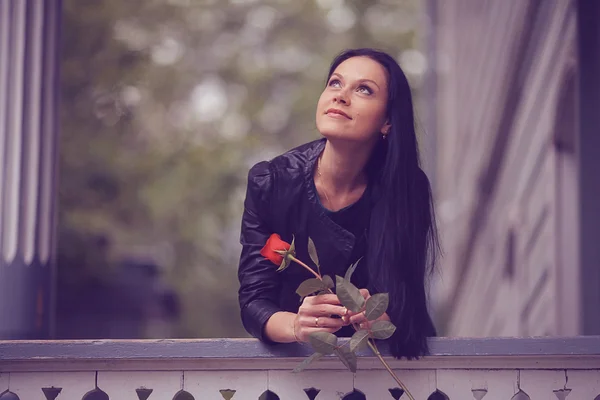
[[402, 237]]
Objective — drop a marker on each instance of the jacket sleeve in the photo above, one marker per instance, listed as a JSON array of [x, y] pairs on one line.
[[259, 282]]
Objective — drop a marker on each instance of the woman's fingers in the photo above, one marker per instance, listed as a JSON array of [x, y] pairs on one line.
[[322, 299], [320, 322], [322, 305], [307, 325], [311, 330], [358, 318], [305, 332], [315, 315], [321, 310]]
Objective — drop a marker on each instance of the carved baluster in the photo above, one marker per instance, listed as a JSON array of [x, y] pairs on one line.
[[521, 395], [355, 395], [183, 395], [96, 394], [540, 383], [268, 395], [311, 393], [227, 393], [396, 393], [8, 395], [51, 393], [143, 393], [585, 384], [562, 393], [438, 395]]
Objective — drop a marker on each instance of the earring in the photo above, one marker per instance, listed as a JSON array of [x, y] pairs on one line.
[[385, 133]]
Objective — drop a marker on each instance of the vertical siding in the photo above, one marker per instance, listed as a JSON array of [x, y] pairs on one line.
[[28, 131], [4, 65], [11, 184], [499, 95], [589, 162]]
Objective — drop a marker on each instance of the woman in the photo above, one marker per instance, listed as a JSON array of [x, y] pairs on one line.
[[358, 193]]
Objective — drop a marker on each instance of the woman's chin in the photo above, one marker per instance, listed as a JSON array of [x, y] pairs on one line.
[[347, 137]]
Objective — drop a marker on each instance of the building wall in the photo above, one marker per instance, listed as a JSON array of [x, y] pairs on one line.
[[505, 167], [29, 37]]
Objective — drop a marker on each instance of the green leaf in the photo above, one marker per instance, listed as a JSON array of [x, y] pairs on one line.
[[292, 249], [382, 329], [323, 342], [310, 286], [286, 259], [312, 252], [349, 295], [347, 357], [284, 264], [350, 270], [359, 340], [328, 281], [307, 361], [376, 306]]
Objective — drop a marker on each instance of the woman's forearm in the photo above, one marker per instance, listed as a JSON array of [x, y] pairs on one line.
[[280, 327]]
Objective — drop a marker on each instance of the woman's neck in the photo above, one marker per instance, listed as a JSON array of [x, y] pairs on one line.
[[341, 171]]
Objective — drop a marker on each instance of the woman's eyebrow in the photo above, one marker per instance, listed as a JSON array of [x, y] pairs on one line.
[[360, 80], [370, 80]]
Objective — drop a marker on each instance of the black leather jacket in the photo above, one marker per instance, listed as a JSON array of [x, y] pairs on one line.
[[281, 198]]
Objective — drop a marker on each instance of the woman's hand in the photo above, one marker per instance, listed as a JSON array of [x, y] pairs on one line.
[[315, 315], [359, 317]]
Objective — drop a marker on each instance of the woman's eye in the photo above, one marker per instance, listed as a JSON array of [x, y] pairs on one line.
[[364, 89], [334, 83]]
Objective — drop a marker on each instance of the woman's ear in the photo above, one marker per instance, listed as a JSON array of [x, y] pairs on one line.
[[385, 129]]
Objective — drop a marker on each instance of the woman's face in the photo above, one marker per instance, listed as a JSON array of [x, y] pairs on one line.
[[353, 104]]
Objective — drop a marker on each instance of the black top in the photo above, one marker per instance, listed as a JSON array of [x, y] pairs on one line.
[[281, 198], [354, 218]]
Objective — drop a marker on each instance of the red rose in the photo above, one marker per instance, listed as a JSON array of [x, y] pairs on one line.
[[273, 249]]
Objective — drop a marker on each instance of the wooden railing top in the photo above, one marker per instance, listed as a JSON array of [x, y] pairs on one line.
[[23, 350], [188, 369]]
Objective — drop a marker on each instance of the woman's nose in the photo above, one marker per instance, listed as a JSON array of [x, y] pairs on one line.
[[342, 98]]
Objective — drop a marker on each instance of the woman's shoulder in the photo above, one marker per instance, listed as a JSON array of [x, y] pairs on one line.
[[277, 184], [289, 165]]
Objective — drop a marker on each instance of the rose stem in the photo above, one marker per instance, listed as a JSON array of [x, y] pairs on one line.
[[385, 364], [306, 267]]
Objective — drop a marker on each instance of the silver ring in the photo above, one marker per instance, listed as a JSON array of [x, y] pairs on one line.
[[317, 322]]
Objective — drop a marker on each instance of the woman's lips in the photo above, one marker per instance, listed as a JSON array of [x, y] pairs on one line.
[[334, 113]]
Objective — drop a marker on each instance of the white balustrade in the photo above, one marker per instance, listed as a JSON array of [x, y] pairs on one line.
[[244, 369]]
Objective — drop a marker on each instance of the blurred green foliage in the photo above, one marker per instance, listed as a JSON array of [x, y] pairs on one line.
[[165, 106]]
